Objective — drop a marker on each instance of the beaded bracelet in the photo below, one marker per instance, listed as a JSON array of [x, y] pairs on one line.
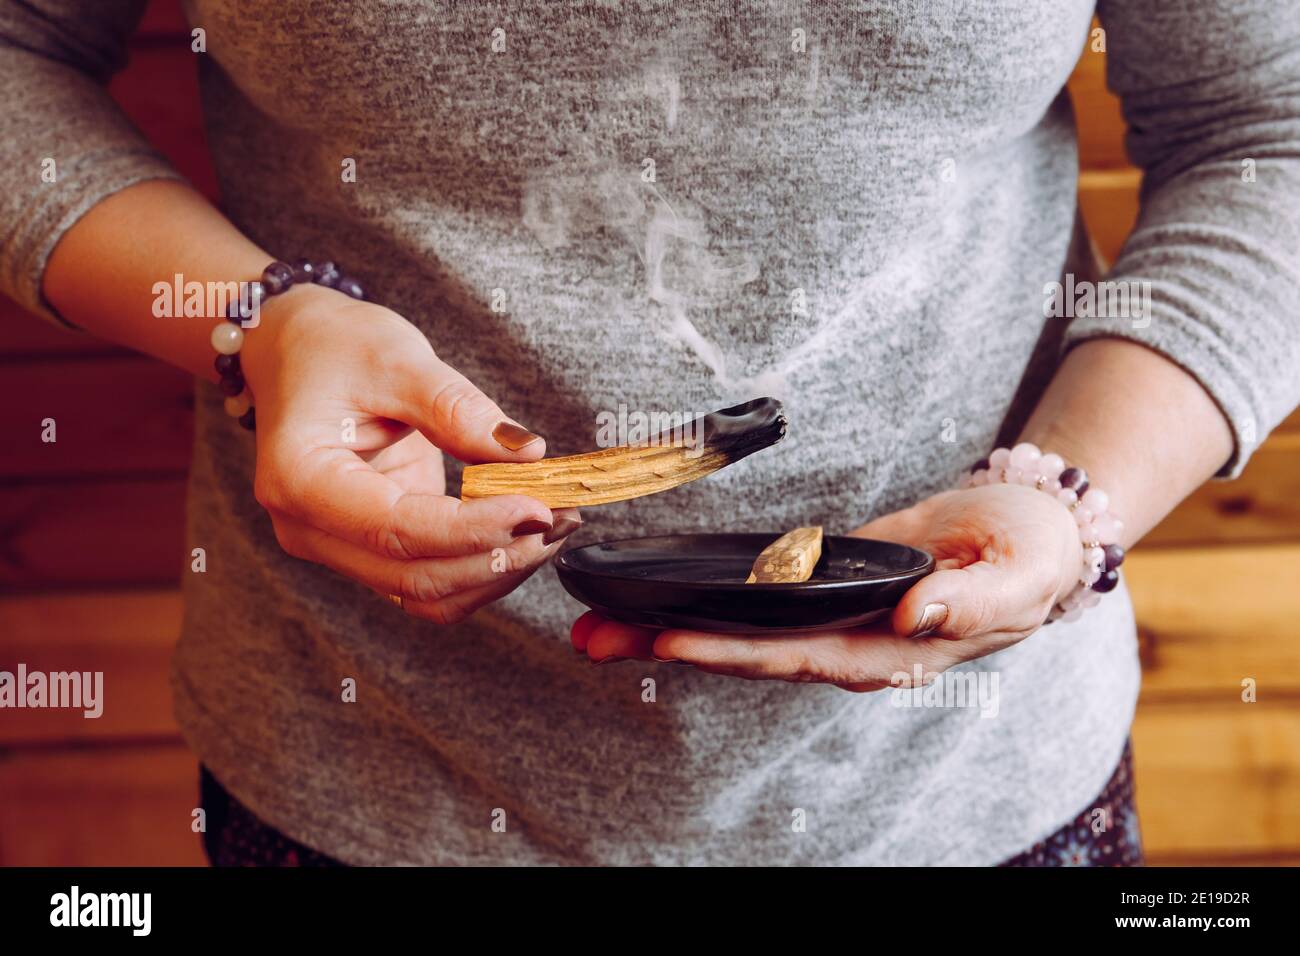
[[228, 336], [1099, 531]]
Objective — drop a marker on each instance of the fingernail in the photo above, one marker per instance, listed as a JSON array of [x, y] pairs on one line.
[[531, 526], [669, 660], [514, 437], [933, 616], [607, 660], [564, 527]]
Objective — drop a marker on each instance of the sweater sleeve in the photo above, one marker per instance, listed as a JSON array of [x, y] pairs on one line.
[[64, 144], [1211, 93]]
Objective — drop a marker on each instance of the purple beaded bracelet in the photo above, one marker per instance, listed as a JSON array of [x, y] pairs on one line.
[[228, 336], [1099, 531]]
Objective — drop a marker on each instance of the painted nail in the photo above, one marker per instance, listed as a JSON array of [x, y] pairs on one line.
[[933, 616], [564, 527], [514, 437], [669, 660], [607, 660], [531, 526]]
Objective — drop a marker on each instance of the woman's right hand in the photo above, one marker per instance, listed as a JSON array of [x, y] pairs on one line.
[[353, 407]]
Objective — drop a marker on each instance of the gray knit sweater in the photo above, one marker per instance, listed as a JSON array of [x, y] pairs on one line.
[[855, 207]]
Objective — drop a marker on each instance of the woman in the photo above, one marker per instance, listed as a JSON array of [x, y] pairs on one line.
[[559, 209]]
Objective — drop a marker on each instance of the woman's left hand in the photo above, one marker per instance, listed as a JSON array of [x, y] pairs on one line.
[[1004, 555]]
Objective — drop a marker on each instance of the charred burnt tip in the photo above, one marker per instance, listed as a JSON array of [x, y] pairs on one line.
[[741, 430]]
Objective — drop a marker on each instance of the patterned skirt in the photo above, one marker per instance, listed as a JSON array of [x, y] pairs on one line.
[[1104, 834]]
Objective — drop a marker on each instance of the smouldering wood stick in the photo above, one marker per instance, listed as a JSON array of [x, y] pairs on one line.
[[615, 474]]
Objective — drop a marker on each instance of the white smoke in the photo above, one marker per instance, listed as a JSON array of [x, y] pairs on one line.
[[582, 196]]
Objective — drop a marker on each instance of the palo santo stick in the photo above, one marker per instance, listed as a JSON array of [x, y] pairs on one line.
[[698, 448], [789, 559]]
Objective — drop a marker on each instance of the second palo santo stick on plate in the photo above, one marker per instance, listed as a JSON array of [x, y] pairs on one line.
[[789, 559]]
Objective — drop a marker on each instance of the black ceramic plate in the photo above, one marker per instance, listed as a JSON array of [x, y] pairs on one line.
[[698, 581]]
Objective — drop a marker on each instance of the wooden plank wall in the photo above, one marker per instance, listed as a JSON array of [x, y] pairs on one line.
[[1215, 585]]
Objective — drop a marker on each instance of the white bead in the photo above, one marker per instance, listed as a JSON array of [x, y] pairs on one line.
[[1094, 558], [1108, 528], [1013, 476], [1029, 477], [1051, 465], [236, 405], [1066, 496], [1053, 487], [1024, 456], [1082, 516], [1090, 576], [1088, 535], [1096, 500], [1000, 458], [227, 338]]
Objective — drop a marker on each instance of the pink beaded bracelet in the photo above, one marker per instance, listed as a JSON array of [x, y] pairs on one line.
[[1099, 531]]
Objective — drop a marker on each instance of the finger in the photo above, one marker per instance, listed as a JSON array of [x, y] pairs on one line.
[[332, 489], [423, 580], [455, 415], [413, 464], [614, 639], [580, 633], [869, 656], [980, 599], [565, 522], [903, 527], [459, 606]]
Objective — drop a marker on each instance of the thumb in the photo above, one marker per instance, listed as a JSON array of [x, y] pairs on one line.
[[456, 416], [980, 598], [901, 527]]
